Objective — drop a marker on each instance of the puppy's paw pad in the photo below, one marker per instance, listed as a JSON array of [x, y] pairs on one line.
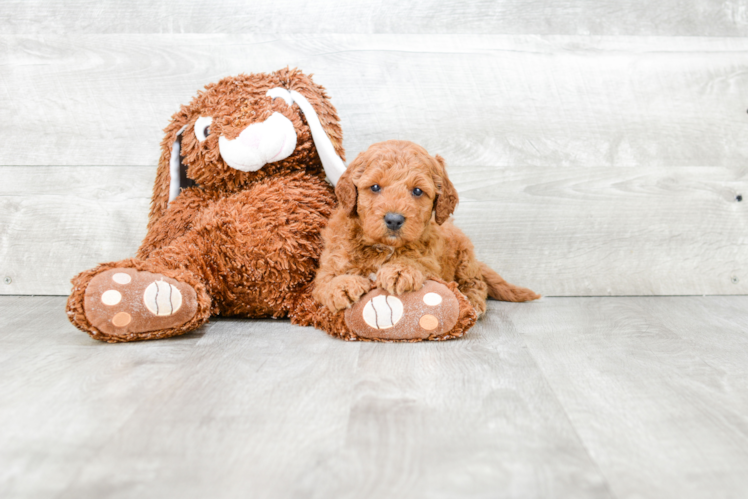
[[124, 301], [427, 313]]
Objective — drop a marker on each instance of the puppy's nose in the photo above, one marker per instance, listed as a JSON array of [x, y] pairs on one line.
[[394, 221]]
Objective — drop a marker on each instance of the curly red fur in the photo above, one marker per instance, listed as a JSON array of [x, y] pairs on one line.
[[359, 243]]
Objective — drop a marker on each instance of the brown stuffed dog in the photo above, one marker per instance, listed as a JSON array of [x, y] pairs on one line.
[[392, 232], [238, 205]]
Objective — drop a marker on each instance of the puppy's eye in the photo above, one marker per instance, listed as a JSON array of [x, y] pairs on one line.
[[202, 127], [417, 192], [375, 188]]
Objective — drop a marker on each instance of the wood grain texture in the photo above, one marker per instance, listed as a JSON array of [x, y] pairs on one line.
[[455, 419], [483, 100], [254, 419], [661, 416], [564, 231], [58, 221], [264, 409], [610, 231], [565, 397], [566, 17]]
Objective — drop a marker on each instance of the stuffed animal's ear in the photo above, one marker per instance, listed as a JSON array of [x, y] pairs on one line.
[[318, 98], [321, 118], [170, 168], [446, 197]]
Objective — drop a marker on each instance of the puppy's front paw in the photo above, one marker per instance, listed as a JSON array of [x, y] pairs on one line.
[[479, 306], [398, 279], [344, 290]]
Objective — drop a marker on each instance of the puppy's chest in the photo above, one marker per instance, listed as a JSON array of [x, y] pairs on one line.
[[371, 260]]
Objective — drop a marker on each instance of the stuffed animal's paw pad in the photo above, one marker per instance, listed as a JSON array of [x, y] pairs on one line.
[[162, 298], [429, 312], [383, 311], [124, 301], [432, 299], [121, 278], [111, 297]]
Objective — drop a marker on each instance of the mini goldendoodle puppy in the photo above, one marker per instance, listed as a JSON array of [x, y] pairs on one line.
[[392, 232]]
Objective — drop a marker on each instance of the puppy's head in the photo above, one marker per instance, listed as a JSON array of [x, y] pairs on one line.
[[393, 188]]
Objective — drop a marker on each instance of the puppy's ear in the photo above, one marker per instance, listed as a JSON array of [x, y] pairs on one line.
[[446, 197], [346, 190]]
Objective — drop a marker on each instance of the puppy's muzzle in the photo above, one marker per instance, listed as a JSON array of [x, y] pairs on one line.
[[394, 221]]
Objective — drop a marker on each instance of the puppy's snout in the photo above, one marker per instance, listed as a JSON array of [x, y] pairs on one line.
[[394, 221]]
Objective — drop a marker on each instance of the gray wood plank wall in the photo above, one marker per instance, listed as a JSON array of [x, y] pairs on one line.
[[598, 149], [515, 17]]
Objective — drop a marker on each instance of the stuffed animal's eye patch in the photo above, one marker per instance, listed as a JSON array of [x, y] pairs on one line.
[[202, 127]]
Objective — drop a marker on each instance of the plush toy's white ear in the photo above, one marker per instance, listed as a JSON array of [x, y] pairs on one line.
[[333, 165], [331, 162], [282, 93], [175, 166]]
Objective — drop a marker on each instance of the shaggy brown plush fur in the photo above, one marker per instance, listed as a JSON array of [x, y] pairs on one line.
[[247, 242], [399, 177]]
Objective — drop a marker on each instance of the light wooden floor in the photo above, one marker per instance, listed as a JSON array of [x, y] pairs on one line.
[[565, 397]]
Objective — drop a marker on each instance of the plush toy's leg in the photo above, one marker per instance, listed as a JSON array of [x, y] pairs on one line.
[[305, 311], [438, 311], [136, 300]]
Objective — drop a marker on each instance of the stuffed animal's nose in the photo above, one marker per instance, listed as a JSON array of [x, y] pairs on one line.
[[394, 221], [260, 143]]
